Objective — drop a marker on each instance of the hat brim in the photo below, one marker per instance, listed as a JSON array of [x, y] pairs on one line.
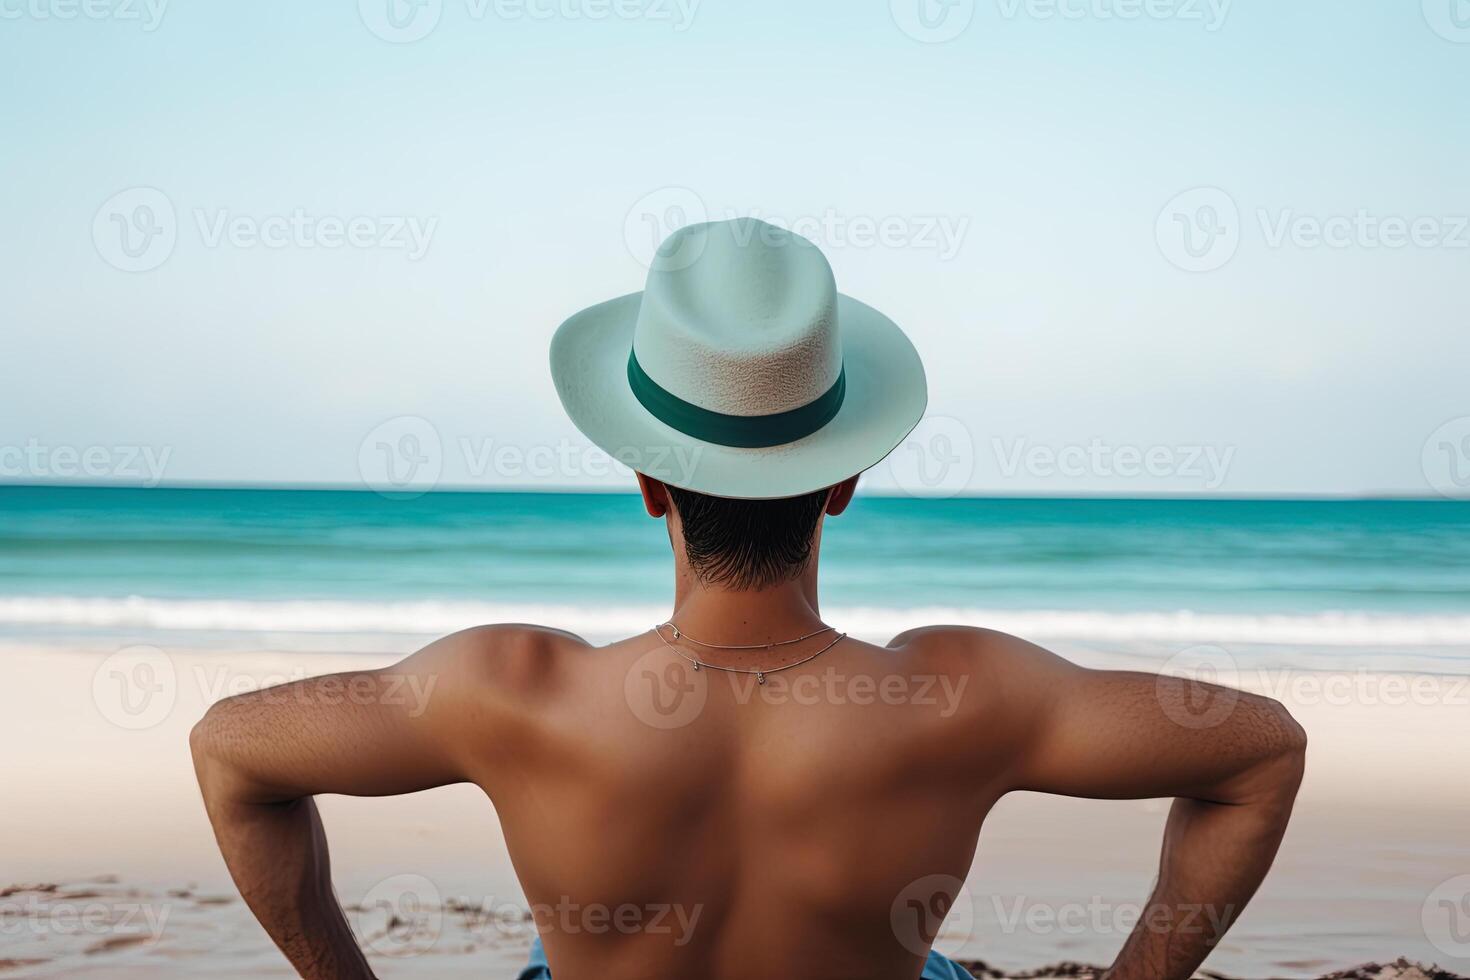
[[885, 400]]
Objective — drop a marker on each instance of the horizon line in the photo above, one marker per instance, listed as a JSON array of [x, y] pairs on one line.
[[470, 489]]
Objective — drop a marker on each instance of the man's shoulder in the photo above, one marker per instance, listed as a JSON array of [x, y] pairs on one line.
[[1004, 664], [969, 643], [514, 656]]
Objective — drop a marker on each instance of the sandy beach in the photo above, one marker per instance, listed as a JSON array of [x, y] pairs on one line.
[[110, 868]]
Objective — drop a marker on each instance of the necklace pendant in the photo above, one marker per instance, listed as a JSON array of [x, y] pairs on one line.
[[696, 665], [675, 629], [760, 677]]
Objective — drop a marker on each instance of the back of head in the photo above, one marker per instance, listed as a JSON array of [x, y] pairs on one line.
[[746, 545]]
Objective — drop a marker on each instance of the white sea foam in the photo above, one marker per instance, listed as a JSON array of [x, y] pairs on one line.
[[416, 618]]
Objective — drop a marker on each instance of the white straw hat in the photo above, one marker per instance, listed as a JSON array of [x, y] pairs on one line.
[[740, 371]]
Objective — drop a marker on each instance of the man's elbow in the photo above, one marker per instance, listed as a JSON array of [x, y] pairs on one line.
[[208, 744], [204, 743], [1285, 761]]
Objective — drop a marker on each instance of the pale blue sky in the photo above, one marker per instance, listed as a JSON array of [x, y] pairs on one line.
[[1054, 318]]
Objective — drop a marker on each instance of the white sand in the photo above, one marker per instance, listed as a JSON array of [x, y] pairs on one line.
[[1382, 822]]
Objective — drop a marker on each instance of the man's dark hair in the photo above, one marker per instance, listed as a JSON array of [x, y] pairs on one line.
[[748, 544]]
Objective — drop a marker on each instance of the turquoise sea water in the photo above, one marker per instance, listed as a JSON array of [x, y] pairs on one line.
[[1383, 575]]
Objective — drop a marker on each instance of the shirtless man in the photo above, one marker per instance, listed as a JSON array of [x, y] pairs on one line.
[[809, 802]]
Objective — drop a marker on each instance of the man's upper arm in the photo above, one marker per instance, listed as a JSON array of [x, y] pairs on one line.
[[1128, 735], [383, 732]]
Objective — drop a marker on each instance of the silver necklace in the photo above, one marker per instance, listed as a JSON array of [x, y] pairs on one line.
[[760, 674]]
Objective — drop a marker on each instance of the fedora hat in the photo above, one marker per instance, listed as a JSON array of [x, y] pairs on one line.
[[740, 370]]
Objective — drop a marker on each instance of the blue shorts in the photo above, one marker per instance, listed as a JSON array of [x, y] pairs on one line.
[[937, 968]]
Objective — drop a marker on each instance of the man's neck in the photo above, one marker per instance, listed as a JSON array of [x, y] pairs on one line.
[[716, 615]]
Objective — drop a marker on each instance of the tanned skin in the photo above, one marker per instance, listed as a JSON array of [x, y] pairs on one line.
[[787, 828]]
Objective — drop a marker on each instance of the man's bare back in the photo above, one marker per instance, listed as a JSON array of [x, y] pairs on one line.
[[667, 822]]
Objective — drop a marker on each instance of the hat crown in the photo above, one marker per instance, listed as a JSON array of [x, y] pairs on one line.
[[740, 318]]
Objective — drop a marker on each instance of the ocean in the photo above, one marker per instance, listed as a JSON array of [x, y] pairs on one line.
[[1342, 584]]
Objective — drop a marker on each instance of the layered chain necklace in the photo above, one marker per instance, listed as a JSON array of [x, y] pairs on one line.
[[760, 673]]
